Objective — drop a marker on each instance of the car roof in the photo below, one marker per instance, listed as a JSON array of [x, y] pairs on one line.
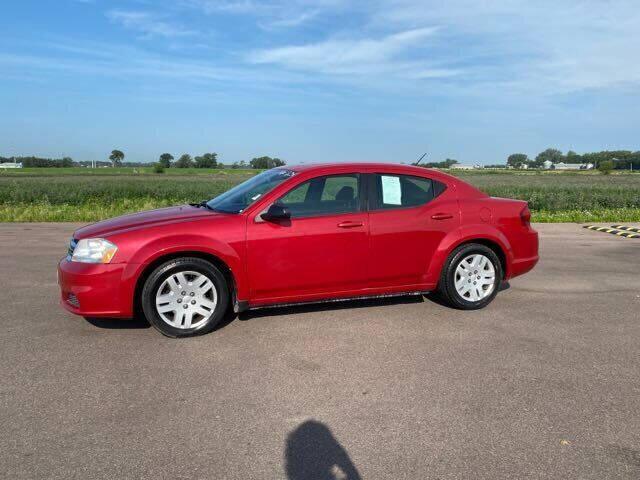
[[370, 167]]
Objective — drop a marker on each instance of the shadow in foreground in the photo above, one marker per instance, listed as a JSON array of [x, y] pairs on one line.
[[436, 297], [328, 306], [118, 323], [313, 453]]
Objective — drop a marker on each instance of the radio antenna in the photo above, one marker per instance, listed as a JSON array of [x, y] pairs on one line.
[[420, 159]]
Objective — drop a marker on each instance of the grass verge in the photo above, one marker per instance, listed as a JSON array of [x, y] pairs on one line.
[[92, 212]]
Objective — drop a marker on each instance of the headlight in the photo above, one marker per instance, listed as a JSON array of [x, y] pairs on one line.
[[94, 250]]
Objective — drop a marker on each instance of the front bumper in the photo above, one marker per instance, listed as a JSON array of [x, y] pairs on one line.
[[92, 290]]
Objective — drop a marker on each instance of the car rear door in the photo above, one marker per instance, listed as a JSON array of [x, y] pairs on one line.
[[408, 217], [321, 251]]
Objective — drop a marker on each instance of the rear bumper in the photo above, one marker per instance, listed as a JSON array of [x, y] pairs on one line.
[[523, 265], [91, 290], [525, 254]]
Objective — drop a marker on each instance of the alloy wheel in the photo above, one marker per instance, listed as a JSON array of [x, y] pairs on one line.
[[186, 300], [475, 277]]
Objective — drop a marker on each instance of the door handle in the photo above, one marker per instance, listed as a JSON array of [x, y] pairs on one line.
[[350, 224], [442, 216]]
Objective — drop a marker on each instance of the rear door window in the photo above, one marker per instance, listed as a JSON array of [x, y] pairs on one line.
[[400, 191]]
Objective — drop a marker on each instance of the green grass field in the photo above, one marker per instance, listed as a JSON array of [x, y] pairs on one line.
[[127, 171], [86, 195]]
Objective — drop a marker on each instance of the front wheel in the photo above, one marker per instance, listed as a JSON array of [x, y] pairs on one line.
[[471, 277], [185, 296]]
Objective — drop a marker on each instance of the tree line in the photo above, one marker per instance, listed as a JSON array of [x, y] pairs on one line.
[[446, 164], [616, 159], [40, 162], [210, 160], [166, 160], [608, 159]]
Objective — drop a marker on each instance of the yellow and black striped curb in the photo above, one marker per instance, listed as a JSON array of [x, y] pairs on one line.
[[613, 231], [628, 229]]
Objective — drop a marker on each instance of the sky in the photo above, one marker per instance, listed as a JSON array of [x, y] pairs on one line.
[[318, 80]]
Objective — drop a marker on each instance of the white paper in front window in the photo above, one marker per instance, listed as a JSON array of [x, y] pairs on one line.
[[391, 194]]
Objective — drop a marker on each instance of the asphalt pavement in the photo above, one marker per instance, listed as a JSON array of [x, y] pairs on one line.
[[543, 383]]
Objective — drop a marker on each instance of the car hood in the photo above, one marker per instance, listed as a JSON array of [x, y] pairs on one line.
[[145, 219]]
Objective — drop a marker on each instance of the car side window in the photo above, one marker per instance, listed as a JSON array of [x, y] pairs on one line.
[[401, 191], [329, 195]]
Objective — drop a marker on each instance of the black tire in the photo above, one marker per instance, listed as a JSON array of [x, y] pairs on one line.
[[174, 267], [446, 286]]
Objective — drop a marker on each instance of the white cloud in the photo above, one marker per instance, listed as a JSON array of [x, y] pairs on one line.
[[351, 56], [522, 48], [124, 61], [148, 24], [233, 6], [516, 46], [272, 14], [534, 47], [292, 20]]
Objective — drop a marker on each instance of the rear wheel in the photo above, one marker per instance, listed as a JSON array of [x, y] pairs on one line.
[[471, 277], [185, 296]]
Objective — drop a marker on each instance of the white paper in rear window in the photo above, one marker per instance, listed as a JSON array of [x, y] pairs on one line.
[[391, 193]]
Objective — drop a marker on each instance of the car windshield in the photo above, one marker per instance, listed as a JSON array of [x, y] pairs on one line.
[[241, 196]]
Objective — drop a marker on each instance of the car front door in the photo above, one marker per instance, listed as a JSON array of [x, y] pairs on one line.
[[408, 217], [320, 251]]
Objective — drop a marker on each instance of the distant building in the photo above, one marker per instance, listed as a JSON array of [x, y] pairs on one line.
[[10, 165], [572, 166], [567, 166], [460, 166]]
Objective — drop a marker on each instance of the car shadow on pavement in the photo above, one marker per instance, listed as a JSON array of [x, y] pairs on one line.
[[118, 323], [328, 306], [436, 298], [312, 452]]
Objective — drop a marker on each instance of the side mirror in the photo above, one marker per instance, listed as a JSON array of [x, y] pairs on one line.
[[276, 213]]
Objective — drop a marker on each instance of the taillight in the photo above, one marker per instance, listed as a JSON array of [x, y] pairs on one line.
[[525, 216]]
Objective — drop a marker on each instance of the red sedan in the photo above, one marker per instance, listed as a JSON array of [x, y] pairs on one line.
[[300, 234]]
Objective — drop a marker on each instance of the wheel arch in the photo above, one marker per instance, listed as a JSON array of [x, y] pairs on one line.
[[482, 234], [151, 266], [494, 246]]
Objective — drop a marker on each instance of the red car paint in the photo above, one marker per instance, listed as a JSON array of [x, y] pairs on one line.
[[316, 258]]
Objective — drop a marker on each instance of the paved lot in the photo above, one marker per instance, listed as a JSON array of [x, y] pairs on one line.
[[544, 383]]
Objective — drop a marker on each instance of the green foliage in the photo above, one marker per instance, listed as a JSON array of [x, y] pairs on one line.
[[165, 160], [605, 167], [110, 194], [123, 171], [573, 157], [559, 191], [622, 159], [266, 162], [184, 161], [158, 168], [208, 160], [94, 194], [116, 157], [517, 160], [584, 216], [32, 162], [446, 164], [241, 164], [552, 154]]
